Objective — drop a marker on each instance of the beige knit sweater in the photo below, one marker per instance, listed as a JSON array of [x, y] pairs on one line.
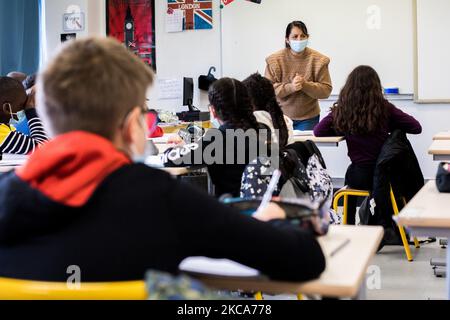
[[282, 68]]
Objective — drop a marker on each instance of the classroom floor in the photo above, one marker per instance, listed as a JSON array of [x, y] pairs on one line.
[[403, 280]]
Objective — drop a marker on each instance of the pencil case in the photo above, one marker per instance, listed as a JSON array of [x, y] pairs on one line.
[[305, 214]]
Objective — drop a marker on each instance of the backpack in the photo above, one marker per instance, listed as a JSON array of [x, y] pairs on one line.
[[310, 180], [256, 178]]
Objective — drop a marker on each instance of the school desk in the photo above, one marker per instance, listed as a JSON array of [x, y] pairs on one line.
[[428, 215], [348, 251], [440, 150], [442, 136], [322, 141], [174, 128]]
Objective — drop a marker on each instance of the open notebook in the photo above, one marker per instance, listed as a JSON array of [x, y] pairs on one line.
[[217, 267]]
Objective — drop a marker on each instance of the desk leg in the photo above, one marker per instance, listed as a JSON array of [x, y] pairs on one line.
[[362, 294], [448, 272]]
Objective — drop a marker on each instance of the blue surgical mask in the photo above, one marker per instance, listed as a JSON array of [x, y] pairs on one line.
[[148, 149], [298, 45], [21, 118], [16, 118], [215, 123]]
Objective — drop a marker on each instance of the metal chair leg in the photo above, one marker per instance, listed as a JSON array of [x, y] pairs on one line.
[[259, 296], [402, 230]]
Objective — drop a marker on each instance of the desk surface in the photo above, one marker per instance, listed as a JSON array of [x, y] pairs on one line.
[[177, 171], [175, 128], [336, 140], [442, 136], [428, 209], [343, 277], [440, 147]]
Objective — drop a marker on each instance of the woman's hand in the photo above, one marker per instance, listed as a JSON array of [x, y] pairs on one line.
[[271, 212], [298, 82]]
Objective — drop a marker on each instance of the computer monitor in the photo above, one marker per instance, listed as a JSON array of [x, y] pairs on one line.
[[193, 114], [188, 93]]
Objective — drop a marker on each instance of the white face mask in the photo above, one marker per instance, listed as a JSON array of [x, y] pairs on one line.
[[298, 45]]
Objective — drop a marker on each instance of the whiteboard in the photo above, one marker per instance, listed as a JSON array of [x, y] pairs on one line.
[[379, 33], [433, 51]]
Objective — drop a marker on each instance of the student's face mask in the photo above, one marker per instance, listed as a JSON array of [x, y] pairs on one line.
[[138, 157], [215, 123], [298, 45], [15, 117]]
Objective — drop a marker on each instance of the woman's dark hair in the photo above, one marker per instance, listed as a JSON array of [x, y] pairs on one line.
[[295, 24], [262, 95], [231, 101], [361, 107]]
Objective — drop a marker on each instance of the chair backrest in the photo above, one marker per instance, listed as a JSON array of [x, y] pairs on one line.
[[11, 289]]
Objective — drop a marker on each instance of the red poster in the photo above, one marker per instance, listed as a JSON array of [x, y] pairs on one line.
[[132, 22], [227, 2]]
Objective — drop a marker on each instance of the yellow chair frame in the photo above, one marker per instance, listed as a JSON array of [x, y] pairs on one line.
[[11, 289], [346, 193]]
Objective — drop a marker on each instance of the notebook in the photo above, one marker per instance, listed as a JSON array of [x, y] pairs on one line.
[[217, 267]]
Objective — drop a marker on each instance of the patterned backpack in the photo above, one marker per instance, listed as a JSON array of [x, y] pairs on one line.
[[309, 178]]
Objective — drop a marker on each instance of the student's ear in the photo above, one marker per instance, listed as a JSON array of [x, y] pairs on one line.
[[6, 108]]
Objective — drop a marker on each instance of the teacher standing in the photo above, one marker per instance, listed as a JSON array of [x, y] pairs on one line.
[[300, 76]]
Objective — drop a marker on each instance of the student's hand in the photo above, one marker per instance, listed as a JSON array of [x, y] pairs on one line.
[[271, 212], [298, 82], [175, 140], [31, 100]]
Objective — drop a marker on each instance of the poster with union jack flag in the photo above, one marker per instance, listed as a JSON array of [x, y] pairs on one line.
[[198, 14]]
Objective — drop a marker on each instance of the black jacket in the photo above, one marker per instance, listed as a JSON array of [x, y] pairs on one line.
[[140, 219], [397, 165], [222, 153]]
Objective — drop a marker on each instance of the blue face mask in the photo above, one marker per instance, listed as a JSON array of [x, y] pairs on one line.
[[149, 150], [21, 117], [298, 45], [16, 118], [215, 123]]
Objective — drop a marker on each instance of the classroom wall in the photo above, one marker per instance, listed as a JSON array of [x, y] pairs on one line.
[[191, 53], [188, 54]]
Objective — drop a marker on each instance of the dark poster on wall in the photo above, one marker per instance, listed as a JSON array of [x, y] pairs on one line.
[[132, 22]]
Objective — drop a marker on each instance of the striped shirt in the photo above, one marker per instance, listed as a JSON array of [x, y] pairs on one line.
[[14, 142]]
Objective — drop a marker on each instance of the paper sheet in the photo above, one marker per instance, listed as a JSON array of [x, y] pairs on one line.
[[223, 267], [298, 133], [170, 89], [174, 21]]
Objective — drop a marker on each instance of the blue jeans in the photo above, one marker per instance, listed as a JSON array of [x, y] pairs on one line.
[[306, 125]]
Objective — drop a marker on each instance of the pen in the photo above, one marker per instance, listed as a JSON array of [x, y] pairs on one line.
[[341, 247], [270, 190]]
